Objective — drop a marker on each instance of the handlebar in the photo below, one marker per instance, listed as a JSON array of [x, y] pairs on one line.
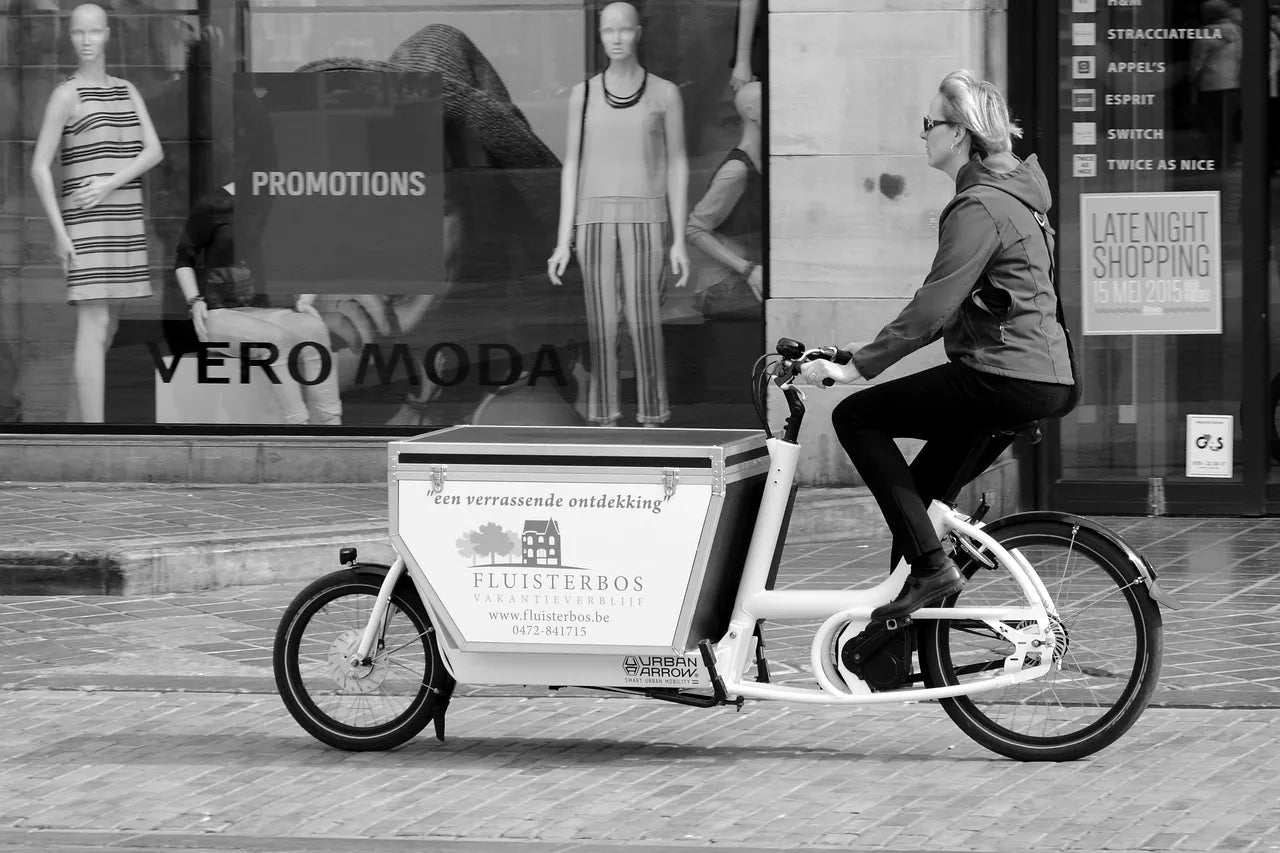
[[792, 354]]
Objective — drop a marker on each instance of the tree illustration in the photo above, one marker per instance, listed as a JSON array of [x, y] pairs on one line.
[[466, 548], [491, 539]]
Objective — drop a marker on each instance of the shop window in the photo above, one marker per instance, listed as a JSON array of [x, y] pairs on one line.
[[399, 167]]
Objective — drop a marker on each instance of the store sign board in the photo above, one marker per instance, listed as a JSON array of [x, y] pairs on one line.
[[339, 181], [1210, 445], [559, 564], [1151, 263]]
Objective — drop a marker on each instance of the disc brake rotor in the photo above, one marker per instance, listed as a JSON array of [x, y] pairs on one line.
[[1061, 641]]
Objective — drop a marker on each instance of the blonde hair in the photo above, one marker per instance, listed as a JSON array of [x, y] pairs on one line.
[[979, 107]]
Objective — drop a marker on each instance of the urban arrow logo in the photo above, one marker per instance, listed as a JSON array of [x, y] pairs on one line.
[[660, 666]]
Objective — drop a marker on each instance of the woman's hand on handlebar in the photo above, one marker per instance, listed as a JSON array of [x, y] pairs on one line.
[[827, 366]]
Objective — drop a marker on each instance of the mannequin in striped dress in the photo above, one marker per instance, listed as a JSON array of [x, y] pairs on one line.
[[107, 142]]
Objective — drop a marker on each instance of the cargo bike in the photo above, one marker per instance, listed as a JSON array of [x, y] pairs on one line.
[[644, 562]]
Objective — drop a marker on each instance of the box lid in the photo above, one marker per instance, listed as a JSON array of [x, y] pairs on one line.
[[600, 446]]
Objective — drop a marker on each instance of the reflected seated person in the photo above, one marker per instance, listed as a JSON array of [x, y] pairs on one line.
[[226, 307]]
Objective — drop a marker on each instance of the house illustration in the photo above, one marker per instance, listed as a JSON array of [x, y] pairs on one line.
[[540, 543]]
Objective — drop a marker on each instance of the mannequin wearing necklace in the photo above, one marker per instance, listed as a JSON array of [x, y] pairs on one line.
[[107, 141], [624, 194]]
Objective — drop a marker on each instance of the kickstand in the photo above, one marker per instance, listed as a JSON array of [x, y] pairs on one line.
[[762, 665]]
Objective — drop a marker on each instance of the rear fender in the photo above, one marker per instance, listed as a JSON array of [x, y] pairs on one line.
[[1145, 570]]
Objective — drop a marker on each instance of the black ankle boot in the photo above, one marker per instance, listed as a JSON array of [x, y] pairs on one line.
[[923, 587]]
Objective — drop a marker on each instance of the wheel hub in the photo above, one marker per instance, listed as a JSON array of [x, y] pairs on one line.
[[354, 677]]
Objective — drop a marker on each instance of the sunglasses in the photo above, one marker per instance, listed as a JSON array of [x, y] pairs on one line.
[[931, 123]]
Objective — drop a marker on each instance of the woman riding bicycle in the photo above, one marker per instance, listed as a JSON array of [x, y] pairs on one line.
[[991, 298]]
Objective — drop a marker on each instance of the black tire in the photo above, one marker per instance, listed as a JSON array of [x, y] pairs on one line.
[[376, 707], [1107, 658]]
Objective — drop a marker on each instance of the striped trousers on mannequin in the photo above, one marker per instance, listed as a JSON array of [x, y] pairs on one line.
[[622, 267]]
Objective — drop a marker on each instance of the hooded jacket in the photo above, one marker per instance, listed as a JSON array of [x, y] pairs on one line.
[[989, 295]]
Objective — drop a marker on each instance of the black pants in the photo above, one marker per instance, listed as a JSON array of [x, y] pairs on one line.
[[951, 407]]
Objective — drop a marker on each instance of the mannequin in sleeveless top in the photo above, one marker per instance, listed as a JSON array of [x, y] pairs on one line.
[[623, 195], [108, 141]]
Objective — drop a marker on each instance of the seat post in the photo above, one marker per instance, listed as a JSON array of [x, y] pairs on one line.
[[966, 471], [981, 455]]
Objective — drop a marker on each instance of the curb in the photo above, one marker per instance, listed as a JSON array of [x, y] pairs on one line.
[[168, 564], [47, 572], [163, 565]]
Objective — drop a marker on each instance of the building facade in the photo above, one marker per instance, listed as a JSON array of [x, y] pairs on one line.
[[402, 168]]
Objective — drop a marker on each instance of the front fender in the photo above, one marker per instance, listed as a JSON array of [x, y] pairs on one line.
[[406, 589], [1145, 570]]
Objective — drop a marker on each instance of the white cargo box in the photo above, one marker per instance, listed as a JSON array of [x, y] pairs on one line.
[[577, 540]]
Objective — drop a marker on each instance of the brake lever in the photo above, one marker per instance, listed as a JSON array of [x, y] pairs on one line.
[[832, 354], [787, 370], [784, 377]]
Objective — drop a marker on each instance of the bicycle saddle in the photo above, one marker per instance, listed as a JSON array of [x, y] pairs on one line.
[[1031, 429]]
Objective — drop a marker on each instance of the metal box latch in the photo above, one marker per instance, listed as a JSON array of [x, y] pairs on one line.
[[670, 479], [438, 473]]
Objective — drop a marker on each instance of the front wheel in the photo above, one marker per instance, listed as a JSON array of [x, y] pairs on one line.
[[377, 705], [1106, 656]]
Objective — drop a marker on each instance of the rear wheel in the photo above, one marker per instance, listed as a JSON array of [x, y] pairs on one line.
[[376, 705], [1107, 650]]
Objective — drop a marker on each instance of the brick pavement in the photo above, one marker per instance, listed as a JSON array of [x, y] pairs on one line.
[[1222, 647], [145, 721], [621, 772]]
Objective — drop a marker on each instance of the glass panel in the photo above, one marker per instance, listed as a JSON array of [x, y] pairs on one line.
[[1273, 277], [398, 166], [43, 340], [1149, 207]]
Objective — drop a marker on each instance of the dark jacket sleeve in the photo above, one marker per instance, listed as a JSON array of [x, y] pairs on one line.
[[196, 234], [967, 242]]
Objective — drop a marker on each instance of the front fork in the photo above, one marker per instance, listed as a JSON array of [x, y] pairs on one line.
[[377, 617]]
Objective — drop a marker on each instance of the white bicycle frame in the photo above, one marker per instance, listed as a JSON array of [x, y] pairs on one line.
[[848, 611], [845, 612]]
